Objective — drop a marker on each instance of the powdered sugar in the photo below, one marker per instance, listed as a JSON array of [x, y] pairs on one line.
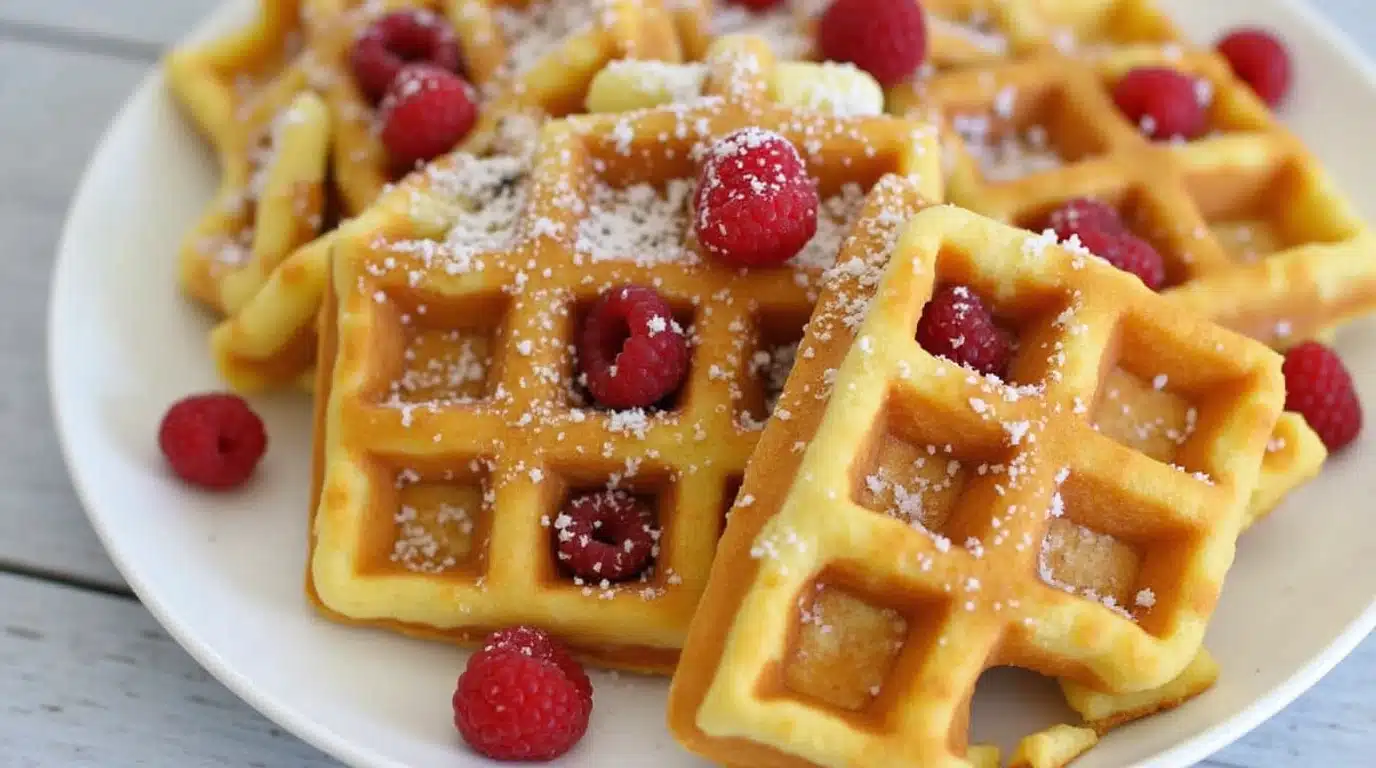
[[638, 224], [543, 26]]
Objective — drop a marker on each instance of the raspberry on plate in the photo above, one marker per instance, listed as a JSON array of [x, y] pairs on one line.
[[535, 642], [212, 440], [1163, 102], [1127, 252], [397, 39], [755, 204], [1260, 60], [886, 38], [1319, 388], [512, 706], [631, 351], [607, 536], [427, 111], [1081, 214], [956, 325]]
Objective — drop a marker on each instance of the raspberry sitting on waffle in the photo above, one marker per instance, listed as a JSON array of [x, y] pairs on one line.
[[540, 357]]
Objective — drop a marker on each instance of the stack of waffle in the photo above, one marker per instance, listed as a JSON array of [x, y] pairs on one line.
[[898, 524]]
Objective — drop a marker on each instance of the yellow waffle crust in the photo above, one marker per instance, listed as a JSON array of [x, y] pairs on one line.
[[450, 430], [527, 61], [1254, 233], [1063, 549], [247, 94], [960, 33]]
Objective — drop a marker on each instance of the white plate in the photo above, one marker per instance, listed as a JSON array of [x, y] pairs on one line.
[[224, 573]]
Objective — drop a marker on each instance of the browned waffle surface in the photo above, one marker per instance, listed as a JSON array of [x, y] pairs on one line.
[[455, 429], [1254, 233], [938, 523]]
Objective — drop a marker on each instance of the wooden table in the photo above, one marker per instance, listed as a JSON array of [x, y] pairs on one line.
[[87, 677]]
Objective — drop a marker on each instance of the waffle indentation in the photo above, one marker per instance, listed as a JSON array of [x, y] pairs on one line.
[[844, 648]]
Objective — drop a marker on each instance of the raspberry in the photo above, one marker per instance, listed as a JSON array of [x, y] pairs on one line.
[[1261, 60], [956, 325], [755, 204], [510, 706], [212, 440], [1129, 253], [631, 351], [886, 38], [535, 642], [397, 39], [1080, 214], [1319, 387], [605, 536], [1162, 102], [426, 112]]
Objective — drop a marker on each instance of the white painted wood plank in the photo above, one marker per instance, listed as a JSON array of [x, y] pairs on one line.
[[91, 680], [54, 114], [1334, 724], [150, 22]]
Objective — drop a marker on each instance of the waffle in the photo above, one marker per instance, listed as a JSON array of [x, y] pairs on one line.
[[1105, 574], [1103, 712], [1294, 454], [449, 424], [1254, 233], [960, 33], [527, 63], [247, 94]]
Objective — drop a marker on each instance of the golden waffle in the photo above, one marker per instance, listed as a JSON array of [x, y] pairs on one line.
[[960, 33], [527, 61], [247, 94], [448, 426], [1103, 711], [1254, 234], [1104, 572]]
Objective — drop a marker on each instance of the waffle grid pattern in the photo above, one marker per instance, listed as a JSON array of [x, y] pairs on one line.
[[526, 436], [1254, 233], [268, 340], [813, 531]]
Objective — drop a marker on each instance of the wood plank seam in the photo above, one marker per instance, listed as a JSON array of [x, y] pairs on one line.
[[80, 42]]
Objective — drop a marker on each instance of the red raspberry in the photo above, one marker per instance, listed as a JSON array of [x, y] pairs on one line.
[[1260, 59], [755, 204], [397, 39], [1129, 253], [1162, 102], [956, 325], [426, 112], [510, 706], [536, 643], [605, 536], [1319, 387], [631, 351], [1080, 214], [886, 38], [213, 440]]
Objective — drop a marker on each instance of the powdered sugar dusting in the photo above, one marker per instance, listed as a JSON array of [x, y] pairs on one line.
[[638, 224]]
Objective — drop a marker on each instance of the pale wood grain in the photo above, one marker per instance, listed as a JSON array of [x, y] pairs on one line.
[[91, 680], [53, 116], [149, 23], [1334, 724]]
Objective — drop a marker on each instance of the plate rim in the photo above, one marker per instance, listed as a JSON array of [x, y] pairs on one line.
[[341, 748]]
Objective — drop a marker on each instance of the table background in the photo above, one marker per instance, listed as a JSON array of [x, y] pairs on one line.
[[87, 677]]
